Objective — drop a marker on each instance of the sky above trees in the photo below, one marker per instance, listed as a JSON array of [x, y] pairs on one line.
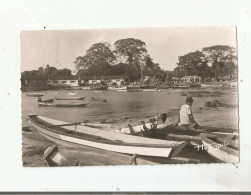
[[165, 45]]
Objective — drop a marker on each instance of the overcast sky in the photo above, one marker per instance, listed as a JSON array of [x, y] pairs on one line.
[[60, 48]]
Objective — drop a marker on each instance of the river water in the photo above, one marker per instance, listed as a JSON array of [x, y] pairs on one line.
[[137, 105]]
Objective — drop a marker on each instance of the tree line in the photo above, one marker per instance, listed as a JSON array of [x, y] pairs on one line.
[[130, 58]]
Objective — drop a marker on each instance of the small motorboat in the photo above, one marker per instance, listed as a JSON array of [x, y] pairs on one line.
[[69, 98], [70, 104], [35, 94], [150, 90], [77, 135], [73, 93], [39, 99]]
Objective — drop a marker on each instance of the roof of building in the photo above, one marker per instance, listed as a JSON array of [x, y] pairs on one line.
[[69, 77], [106, 77]]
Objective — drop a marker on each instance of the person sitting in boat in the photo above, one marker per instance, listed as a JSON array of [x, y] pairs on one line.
[[186, 118]]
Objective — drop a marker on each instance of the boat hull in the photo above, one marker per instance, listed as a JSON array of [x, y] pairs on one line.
[[160, 150], [222, 153], [69, 98]]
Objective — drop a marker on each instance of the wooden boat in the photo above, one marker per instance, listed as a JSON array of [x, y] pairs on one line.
[[147, 87], [35, 94], [87, 156], [116, 88], [150, 90], [185, 133], [46, 100], [180, 87], [75, 135], [131, 88], [99, 99], [98, 87], [69, 98], [211, 85], [223, 150], [73, 93], [70, 104]]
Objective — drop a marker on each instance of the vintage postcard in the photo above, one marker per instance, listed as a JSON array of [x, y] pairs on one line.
[[143, 96]]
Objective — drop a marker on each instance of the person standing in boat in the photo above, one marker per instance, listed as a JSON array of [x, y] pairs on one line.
[[186, 118]]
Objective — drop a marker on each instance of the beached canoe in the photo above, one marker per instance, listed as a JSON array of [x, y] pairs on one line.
[[70, 104], [35, 94], [73, 93], [86, 156], [69, 98], [223, 150], [45, 100], [73, 135]]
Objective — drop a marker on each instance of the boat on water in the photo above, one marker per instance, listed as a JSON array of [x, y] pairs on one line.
[[131, 88], [211, 85], [75, 135], [87, 156], [223, 150], [180, 87], [69, 98], [35, 94], [116, 88], [151, 90], [69, 104], [73, 93], [44, 100]]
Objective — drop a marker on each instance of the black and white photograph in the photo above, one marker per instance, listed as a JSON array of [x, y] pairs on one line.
[[132, 96]]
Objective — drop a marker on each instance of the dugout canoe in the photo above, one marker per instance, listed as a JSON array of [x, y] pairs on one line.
[[69, 98], [73, 93], [46, 100], [56, 155], [223, 150], [70, 104], [150, 90], [73, 135], [35, 94]]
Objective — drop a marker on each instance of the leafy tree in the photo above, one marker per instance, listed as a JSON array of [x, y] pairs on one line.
[[222, 58], [133, 52], [193, 63], [98, 59]]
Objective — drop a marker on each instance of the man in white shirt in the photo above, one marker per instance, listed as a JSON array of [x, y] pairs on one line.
[[186, 117]]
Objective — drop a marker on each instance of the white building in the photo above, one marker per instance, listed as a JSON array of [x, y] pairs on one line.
[[72, 81]]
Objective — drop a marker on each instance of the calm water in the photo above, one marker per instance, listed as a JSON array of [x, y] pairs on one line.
[[135, 104]]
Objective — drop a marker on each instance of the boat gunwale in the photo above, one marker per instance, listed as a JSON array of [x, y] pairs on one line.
[[104, 141]]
